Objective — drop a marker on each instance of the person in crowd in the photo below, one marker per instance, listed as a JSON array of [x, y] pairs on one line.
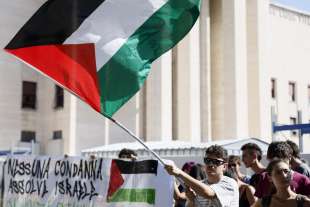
[[179, 190], [251, 157], [217, 190], [246, 191], [187, 167], [299, 183], [198, 172], [127, 154], [279, 150], [234, 163], [295, 162], [281, 175]]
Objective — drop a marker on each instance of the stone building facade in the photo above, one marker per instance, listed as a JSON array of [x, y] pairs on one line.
[[244, 64]]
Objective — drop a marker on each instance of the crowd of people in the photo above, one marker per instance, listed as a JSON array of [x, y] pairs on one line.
[[285, 181]]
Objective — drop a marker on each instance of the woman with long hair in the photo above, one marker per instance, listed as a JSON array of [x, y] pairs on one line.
[[280, 174]]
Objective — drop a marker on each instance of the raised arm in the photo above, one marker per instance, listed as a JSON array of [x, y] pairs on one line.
[[199, 187]]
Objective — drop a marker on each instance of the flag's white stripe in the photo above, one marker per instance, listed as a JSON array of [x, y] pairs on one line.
[[164, 196], [139, 180], [111, 24]]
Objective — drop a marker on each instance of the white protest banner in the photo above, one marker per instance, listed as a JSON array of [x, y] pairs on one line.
[[41, 181]]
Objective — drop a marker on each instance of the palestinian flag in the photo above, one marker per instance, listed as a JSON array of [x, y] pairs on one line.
[[101, 50], [138, 183]]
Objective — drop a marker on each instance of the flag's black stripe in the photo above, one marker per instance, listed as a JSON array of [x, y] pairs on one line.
[[53, 23], [137, 167]]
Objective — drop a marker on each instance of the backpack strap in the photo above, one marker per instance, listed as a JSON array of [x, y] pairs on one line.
[[300, 199], [266, 201]]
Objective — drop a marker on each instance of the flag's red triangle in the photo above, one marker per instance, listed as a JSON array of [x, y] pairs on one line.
[[73, 66], [116, 179]]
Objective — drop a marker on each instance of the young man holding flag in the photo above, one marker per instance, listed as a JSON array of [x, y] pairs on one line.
[[217, 190]]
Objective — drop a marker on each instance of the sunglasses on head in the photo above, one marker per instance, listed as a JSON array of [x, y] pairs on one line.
[[210, 161]]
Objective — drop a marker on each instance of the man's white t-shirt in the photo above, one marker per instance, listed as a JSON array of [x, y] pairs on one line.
[[227, 194]]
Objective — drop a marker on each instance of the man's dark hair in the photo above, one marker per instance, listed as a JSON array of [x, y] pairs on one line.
[[126, 153], [254, 148], [280, 150], [294, 147], [272, 164], [217, 151]]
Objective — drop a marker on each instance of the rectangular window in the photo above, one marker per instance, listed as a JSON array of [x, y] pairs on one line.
[[293, 120], [29, 96], [57, 134], [292, 91], [273, 88], [59, 97], [28, 136]]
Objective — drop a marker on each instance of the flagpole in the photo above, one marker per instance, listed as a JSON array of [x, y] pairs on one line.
[[136, 138], [144, 145]]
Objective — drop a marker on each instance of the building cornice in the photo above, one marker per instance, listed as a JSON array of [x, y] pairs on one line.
[[289, 13]]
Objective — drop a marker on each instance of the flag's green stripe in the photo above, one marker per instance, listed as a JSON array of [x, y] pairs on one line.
[[134, 195], [124, 74]]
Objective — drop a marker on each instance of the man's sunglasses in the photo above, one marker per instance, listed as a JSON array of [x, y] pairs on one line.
[[216, 162]]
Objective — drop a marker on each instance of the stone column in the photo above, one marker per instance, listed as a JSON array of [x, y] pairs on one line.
[[205, 73], [158, 111], [186, 88], [70, 143], [229, 69], [130, 116], [259, 115]]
